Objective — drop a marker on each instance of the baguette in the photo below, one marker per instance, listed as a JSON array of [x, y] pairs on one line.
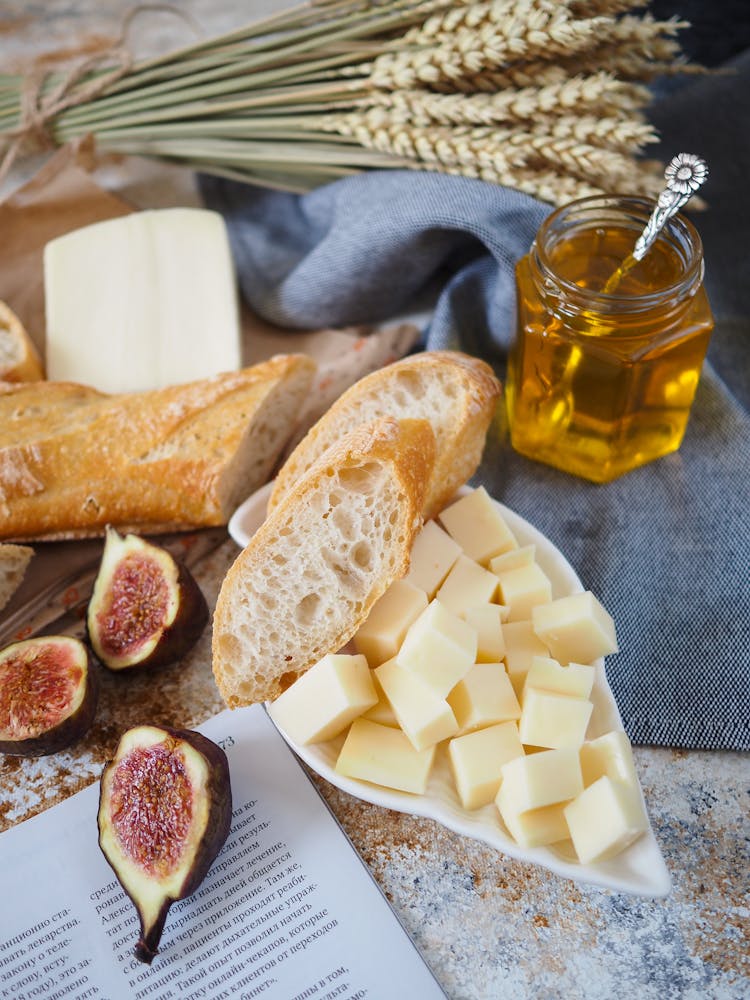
[[73, 460], [13, 562], [455, 392], [19, 360], [307, 579]]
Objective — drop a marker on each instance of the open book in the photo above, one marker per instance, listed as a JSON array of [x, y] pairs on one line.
[[288, 909]]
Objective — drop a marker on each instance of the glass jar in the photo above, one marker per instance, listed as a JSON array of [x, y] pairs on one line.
[[598, 382]]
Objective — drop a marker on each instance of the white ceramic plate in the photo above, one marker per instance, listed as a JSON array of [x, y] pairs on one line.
[[640, 869]]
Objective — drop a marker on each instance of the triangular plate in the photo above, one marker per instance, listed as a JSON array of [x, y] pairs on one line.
[[639, 870]]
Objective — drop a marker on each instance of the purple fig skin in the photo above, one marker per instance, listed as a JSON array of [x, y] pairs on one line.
[[217, 830], [177, 639], [71, 728]]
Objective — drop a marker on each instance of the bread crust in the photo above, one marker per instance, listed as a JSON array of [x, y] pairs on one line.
[[73, 459], [456, 391], [252, 665], [19, 359]]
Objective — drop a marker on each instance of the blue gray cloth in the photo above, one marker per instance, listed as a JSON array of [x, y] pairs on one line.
[[666, 547]]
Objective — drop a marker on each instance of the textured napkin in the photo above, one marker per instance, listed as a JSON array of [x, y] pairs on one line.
[[666, 547]]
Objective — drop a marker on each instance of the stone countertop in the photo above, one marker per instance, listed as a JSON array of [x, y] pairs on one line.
[[487, 925]]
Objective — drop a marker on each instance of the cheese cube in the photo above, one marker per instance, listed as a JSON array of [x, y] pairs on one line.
[[575, 680], [382, 712], [384, 756], [535, 827], [485, 696], [605, 819], [432, 555], [439, 647], [522, 644], [514, 559], [466, 585], [542, 779], [477, 760], [487, 621], [522, 589], [610, 755], [575, 628], [424, 717], [142, 301], [324, 700], [476, 523], [380, 637], [553, 720]]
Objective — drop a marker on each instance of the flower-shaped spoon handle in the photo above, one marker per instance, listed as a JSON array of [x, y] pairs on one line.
[[684, 175]]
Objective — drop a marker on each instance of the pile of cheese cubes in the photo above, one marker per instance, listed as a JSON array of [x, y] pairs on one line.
[[470, 651]]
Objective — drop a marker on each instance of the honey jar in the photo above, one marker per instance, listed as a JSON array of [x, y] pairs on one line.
[[600, 382]]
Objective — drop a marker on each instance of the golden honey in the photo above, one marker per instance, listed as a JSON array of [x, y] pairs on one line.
[[599, 382]]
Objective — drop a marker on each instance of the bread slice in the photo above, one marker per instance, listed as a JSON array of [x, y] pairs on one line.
[[455, 392], [73, 460], [13, 562], [309, 576], [19, 360]]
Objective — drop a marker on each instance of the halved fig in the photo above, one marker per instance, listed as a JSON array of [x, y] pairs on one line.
[[48, 695], [146, 608], [165, 806]]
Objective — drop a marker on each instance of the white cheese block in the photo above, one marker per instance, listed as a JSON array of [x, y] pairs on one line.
[[477, 761], [382, 712], [477, 525], [522, 644], [575, 628], [535, 827], [605, 819], [380, 637], [432, 555], [142, 301], [466, 585], [324, 700], [485, 696], [575, 679], [610, 755], [439, 647], [513, 559], [542, 779], [487, 621], [553, 720], [424, 717], [521, 589], [384, 756]]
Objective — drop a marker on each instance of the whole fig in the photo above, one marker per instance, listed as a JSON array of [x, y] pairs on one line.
[[165, 807], [146, 608], [48, 695]]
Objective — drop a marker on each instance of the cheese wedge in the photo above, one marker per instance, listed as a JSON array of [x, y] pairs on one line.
[[142, 301]]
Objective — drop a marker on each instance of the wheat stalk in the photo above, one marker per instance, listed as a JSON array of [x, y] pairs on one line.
[[543, 95], [583, 94], [531, 29]]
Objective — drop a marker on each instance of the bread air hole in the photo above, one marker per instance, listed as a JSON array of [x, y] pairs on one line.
[[361, 479], [362, 555], [306, 609], [411, 385], [344, 523], [231, 649]]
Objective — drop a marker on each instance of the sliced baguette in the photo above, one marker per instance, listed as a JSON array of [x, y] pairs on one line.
[[13, 562], [19, 360], [73, 460], [325, 554], [455, 392]]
